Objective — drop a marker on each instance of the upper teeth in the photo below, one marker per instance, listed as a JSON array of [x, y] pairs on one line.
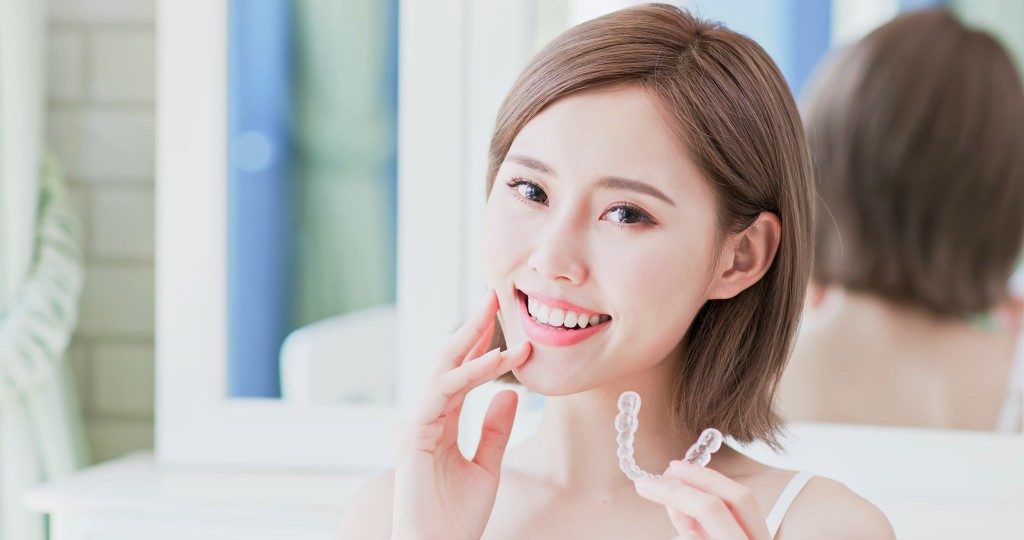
[[560, 317]]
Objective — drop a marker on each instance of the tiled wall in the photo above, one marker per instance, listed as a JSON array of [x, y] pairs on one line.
[[101, 78]]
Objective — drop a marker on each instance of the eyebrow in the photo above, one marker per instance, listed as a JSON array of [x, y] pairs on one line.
[[609, 182]]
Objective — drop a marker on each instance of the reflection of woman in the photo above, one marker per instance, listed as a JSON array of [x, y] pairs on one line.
[[649, 169], [918, 137]]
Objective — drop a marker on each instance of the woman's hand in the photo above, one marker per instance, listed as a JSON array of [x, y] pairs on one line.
[[438, 493], [703, 503]]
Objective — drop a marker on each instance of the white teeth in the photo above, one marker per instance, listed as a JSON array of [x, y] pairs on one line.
[[542, 313], [560, 317]]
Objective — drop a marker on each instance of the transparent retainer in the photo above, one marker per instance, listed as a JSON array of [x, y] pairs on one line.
[[626, 422]]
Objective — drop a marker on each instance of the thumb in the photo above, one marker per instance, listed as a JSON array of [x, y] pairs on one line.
[[497, 428]]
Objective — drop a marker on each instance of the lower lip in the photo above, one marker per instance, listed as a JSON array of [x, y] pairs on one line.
[[549, 335]]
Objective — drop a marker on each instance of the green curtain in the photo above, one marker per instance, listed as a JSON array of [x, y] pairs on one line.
[[344, 144], [41, 432]]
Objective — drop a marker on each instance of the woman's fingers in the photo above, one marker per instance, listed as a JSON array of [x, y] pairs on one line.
[[496, 430], [441, 390], [509, 359], [482, 344], [690, 535], [709, 511], [684, 524], [737, 497], [467, 336], [447, 392]]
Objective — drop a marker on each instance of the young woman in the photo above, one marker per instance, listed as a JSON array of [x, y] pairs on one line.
[[649, 186], [917, 133]]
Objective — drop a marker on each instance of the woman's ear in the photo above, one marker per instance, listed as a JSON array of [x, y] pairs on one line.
[[746, 257]]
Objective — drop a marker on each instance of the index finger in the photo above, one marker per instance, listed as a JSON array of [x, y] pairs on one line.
[[737, 497], [711, 513], [451, 355]]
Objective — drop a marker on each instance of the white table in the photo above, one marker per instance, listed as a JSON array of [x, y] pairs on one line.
[[135, 497]]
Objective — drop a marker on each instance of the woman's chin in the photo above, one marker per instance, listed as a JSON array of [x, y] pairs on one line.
[[545, 379]]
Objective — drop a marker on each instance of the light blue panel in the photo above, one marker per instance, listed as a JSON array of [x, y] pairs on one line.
[[259, 194], [391, 174], [809, 34]]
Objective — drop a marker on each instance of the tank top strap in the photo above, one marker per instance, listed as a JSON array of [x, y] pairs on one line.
[[785, 500], [1011, 414]]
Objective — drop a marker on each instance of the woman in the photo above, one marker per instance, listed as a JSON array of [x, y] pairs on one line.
[[649, 184], [917, 133]]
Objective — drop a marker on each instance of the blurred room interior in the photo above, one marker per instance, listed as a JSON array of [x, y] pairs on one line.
[[228, 229]]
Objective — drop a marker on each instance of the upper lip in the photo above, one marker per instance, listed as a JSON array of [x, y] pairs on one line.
[[561, 304]]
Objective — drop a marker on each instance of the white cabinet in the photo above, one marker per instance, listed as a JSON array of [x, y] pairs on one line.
[[135, 498]]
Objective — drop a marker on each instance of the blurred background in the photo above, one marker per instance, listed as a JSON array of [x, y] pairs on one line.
[[335, 126], [311, 191]]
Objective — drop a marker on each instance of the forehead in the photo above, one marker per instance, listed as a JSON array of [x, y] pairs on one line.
[[622, 131]]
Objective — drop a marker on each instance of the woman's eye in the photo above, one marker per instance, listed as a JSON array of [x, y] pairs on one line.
[[528, 190], [630, 215], [623, 214]]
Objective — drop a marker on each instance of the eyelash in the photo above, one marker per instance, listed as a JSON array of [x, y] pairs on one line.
[[643, 217]]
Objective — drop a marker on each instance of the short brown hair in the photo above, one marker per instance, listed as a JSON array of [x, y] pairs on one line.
[[917, 133], [731, 106]]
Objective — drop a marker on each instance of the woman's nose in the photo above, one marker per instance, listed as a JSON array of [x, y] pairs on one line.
[[558, 254]]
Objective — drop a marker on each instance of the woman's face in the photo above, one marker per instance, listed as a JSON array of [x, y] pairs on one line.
[[597, 204]]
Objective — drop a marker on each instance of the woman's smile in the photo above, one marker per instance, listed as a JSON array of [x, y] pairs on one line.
[[555, 329]]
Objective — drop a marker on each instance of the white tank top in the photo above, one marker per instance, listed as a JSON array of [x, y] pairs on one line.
[[1011, 414], [785, 500]]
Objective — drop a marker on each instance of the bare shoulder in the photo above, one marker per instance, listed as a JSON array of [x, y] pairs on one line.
[[806, 389], [827, 509], [368, 514]]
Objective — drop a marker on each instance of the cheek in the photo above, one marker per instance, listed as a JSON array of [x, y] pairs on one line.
[[501, 243], [664, 282]]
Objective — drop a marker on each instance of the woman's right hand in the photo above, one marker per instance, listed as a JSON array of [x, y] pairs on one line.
[[438, 492]]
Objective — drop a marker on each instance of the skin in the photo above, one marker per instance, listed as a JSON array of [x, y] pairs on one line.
[[861, 359], [566, 238]]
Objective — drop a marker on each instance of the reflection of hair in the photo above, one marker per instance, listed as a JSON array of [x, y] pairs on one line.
[[732, 108], [917, 133]]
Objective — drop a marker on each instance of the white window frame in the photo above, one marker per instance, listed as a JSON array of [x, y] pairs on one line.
[[448, 96]]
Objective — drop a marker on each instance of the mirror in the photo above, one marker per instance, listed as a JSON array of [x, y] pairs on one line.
[[312, 120], [311, 195]]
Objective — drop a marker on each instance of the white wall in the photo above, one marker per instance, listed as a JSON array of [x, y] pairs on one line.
[[101, 105]]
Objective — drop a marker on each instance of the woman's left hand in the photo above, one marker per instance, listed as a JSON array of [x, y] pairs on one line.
[[703, 503]]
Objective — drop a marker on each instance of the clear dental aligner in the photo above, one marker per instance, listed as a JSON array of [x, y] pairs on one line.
[[626, 422]]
